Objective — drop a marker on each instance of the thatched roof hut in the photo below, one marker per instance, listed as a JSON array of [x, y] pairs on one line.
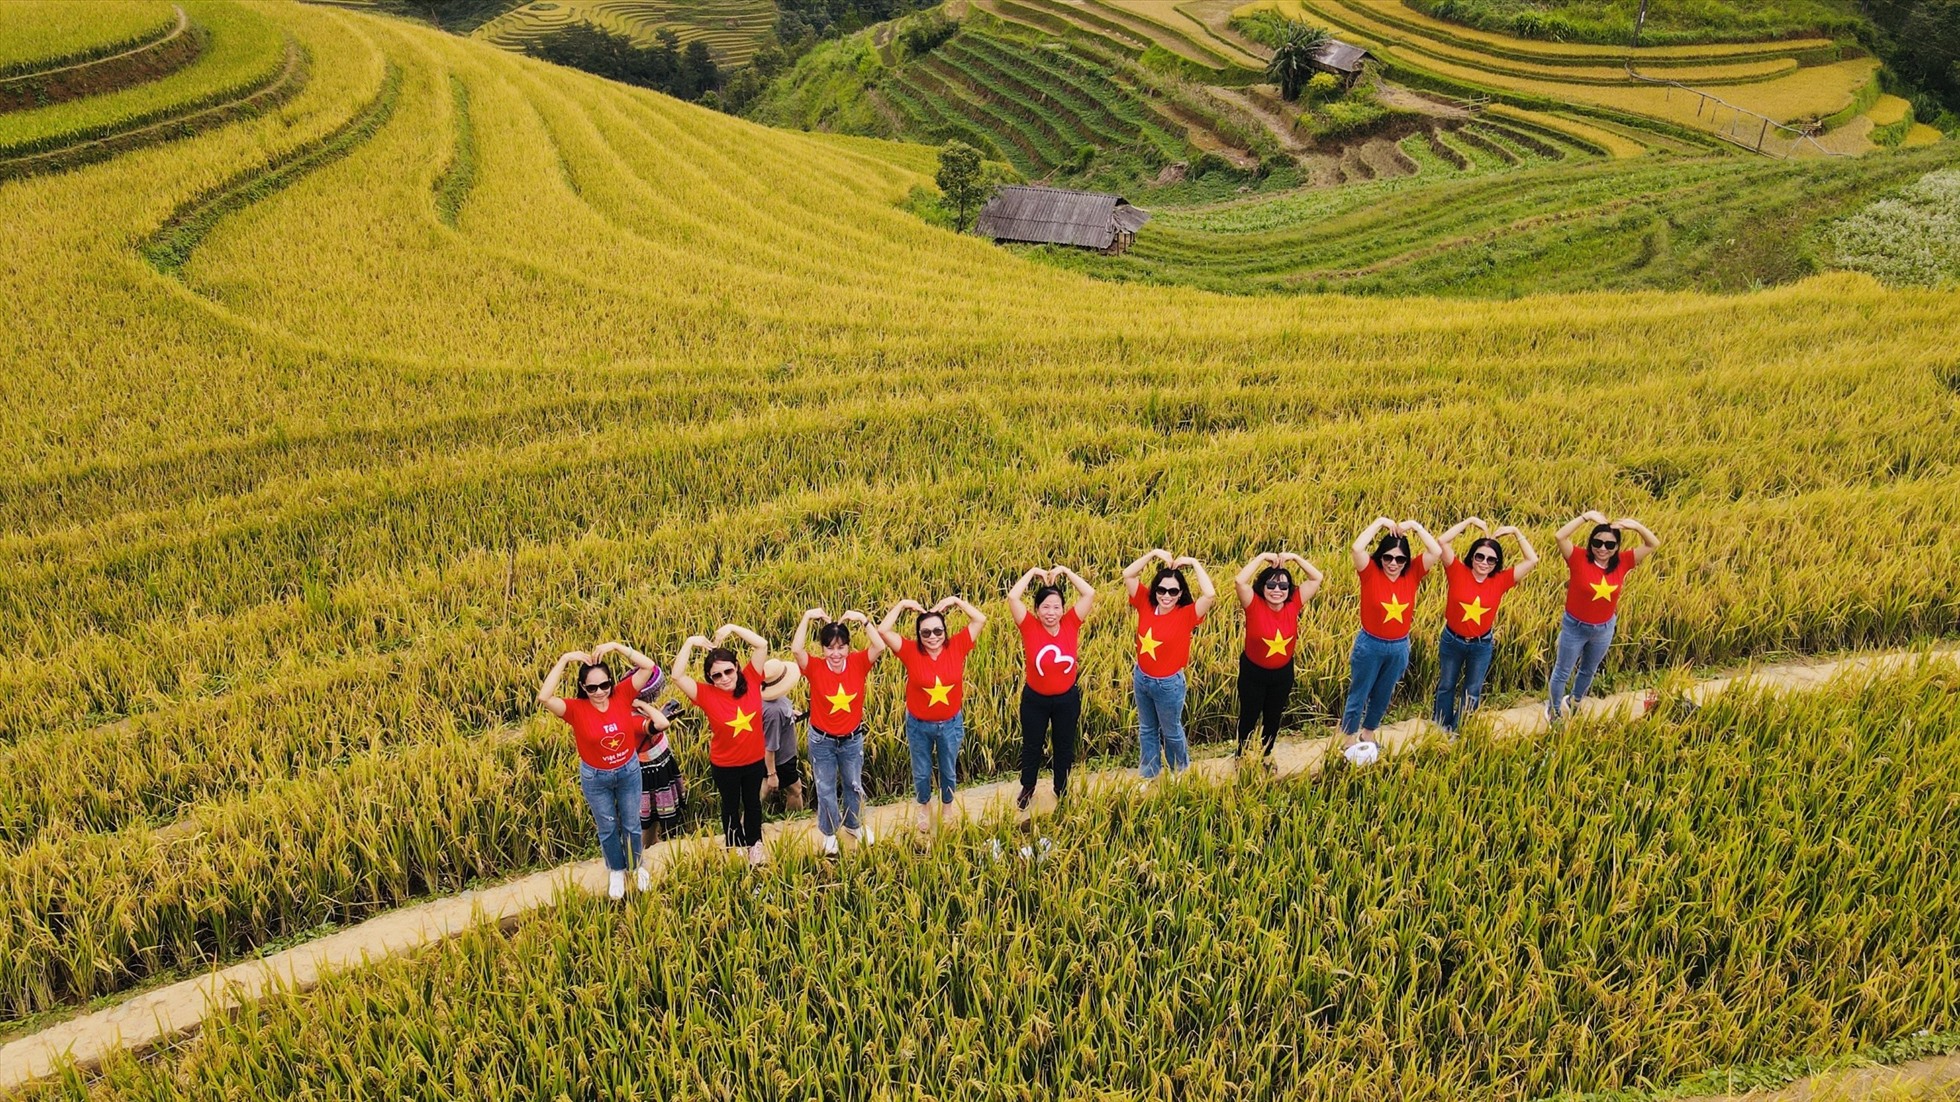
[[1059, 216]]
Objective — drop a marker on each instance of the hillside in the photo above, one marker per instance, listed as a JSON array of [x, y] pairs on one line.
[[337, 417]]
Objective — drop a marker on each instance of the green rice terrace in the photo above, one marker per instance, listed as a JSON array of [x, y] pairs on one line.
[[733, 29]]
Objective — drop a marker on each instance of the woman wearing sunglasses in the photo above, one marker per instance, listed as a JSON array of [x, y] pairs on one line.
[[1389, 576], [1477, 583], [607, 733], [935, 683], [1166, 616], [1051, 643], [730, 695], [1592, 601], [1272, 604]]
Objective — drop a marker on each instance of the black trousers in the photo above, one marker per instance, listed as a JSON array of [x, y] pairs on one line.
[[1263, 694], [1039, 713], [740, 787]]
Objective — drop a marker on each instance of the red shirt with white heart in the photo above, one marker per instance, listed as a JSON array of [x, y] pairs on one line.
[[1051, 659]]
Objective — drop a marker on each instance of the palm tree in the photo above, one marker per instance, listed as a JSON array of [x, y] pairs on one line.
[[1291, 66]]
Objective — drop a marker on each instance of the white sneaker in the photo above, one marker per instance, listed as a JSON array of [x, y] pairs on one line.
[[616, 884], [829, 844], [756, 856], [864, 835], [643, 879]]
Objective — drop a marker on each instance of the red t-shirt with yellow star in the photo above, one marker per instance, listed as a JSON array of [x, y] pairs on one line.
[[1388, 608], [1592, 595], [1163, 639], [734, 723], [1471, 610], [1051, 659], [934, 687], [837, 699], [1272, 635], [608, 739]]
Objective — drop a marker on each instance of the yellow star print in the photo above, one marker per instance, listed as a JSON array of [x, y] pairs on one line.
[[1602, 591], [840, 701], [1147, 644], [939, 692], [1473, 610], [1392, 610], [742, 723], [1276, 645]]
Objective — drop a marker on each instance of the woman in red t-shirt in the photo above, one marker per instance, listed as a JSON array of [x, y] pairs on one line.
[[1476, 586], [1167, 613], [608, 736], [1389, 576], [1272, 602], [1597, 575], [1051, 643], [935, 685], [837, 691], [730, 696]]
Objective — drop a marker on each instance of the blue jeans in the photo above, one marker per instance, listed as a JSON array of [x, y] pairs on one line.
[[830, 758], [1581, 649], [1160, 721], [930, 739], [1376, 665], [614, 797], [1461, 664]]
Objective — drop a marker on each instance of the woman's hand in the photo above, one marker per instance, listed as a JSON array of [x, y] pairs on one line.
[[853, 616]]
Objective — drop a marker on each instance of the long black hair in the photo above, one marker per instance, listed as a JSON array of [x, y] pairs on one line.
[[1496, 548], [836, 631], [1618, 538], [723, 654], [585, 669], [1183, 588], [1388, 544]]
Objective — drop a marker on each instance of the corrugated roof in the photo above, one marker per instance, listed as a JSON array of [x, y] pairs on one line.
[[1339, 56], [1057, 216]]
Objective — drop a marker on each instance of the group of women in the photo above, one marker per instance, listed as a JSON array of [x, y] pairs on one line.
[[613, 726]]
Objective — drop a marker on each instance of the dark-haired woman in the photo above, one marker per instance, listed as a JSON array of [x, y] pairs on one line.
[[1598, 573], [935, 688], [1477, 584], [1389, 576], [1051, 643], [1167, 614], [1272, 601], [837, 682], [730, 695], [607, 733]]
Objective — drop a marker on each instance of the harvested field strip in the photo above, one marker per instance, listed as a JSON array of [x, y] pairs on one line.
[[150, 60], [1660, 770]]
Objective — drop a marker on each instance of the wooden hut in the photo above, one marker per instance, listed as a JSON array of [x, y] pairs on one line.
[[1058, 216], [1339, 58]]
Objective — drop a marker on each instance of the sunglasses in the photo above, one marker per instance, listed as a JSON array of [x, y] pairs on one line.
[[931, 633], [1606, 545], [1279, 583], [1395, 558], [598, 687], [725, 671], [1167, 591], [1483, 556]]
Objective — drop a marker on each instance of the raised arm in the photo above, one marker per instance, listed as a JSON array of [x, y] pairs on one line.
[[1432, 551], [758, 646], [655, 718], [1017, 597], [1133, 573], [975, 619], [1311, 586], [874, 643], [1367, 536], [1250, 571], [1648, 540], [684, 661], [1085, 594], [888, 630], [800, 641], [548, 697], [643, 666], [1207, 593], [1448, 539], [1572, 527], [1530, 561]]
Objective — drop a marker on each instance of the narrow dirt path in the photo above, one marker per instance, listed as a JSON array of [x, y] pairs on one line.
[[1935, 1077], [155, 1016]]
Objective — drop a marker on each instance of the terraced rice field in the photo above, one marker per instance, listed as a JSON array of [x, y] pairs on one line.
[[331, 424], [733, 29], [39, 35]]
